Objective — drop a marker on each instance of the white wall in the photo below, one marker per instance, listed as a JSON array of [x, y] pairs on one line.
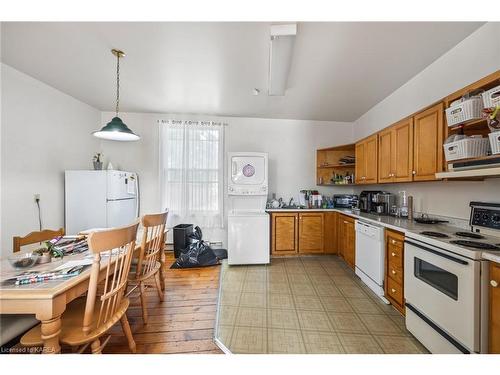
[[470, 60], [291, 145], [43, 133]]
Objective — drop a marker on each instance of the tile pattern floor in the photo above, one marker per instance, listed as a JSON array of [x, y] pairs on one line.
[[306, 305]]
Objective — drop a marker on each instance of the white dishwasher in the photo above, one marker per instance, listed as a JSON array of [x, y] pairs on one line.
[[370, 256]]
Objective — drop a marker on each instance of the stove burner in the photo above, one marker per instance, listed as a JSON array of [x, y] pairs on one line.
[[469, 235], [475, 245], [434, 234]]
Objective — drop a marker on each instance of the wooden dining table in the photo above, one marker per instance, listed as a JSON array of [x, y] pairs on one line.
[[48, 300]]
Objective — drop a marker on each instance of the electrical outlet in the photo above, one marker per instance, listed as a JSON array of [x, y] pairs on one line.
[[37, 197]]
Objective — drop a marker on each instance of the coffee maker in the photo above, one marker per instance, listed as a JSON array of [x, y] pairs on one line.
[[366, 200], [383, 202]]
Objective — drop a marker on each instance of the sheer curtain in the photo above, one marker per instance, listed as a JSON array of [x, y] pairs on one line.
[[192, 172]]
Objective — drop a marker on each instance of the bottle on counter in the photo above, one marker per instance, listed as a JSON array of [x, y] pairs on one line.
[[410, 207], [403, 203]]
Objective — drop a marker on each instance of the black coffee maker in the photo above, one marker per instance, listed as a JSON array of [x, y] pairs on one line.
[[366, 202]]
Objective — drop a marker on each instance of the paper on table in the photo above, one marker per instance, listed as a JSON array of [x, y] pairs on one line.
[[74, 263]]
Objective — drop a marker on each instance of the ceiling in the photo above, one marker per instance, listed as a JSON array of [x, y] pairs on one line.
[[339, 70]]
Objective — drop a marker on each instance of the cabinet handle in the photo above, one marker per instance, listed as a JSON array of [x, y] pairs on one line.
[[393, 254], [494, 283], [414, 172], [393, 272], [345, 222], [393, 290], [393, 242]]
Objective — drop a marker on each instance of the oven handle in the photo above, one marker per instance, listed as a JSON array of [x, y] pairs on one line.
[[457, 260], [438, 329]]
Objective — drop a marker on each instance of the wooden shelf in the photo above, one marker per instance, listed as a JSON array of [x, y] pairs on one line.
[[335, 184], [477, 123], [338, 166]]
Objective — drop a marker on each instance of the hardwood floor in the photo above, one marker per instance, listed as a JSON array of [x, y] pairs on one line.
[[183, 323]]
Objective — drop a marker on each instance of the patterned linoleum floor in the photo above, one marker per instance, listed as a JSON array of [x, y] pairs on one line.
[[306, 305]]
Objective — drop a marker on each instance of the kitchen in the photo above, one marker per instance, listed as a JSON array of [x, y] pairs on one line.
[[348, 230]]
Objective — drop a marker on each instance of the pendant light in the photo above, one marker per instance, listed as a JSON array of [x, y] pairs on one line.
[[116, 130]]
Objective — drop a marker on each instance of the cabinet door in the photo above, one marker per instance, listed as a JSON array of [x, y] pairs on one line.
[[350, 242], [371, 159], [330, 232], [360, 163], [403, 151], [428, 143], [340, 235], [311, 232], [284, 233], [385, 156], [494, 326]]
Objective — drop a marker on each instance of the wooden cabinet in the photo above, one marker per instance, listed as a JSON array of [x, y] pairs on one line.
[[394, 269], [428, 143], [311, 232], [366, 160], [330, 232], [284, 233], [494, 324], [395, 152], [346, 239], [294, 232]]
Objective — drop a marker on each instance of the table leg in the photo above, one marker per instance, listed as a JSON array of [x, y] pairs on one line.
[[51, 329]]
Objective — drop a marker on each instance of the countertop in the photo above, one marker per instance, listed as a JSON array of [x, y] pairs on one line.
[[397, 224], [391, 222], [494, 257]]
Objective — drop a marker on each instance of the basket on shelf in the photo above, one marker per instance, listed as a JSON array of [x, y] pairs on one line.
[[495, 142], [471, 147], [491, 98], [464, 110]]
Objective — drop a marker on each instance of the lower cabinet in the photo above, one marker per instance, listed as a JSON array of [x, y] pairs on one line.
[[303, 233], [284, 233], [346, 239], [394, 269], [311, 232], [494, 324], [330, 231]]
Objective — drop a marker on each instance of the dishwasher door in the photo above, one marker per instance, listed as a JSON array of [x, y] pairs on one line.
[[370, 256]]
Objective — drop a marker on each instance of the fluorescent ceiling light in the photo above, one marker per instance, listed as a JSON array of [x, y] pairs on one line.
[[280, 57]]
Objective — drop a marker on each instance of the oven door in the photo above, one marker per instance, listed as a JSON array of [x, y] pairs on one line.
[[442, 289]]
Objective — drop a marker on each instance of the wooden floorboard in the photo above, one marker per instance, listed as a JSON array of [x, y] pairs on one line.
[[183, 323]]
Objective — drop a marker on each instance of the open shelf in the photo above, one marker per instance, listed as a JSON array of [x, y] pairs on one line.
[[328, 164]]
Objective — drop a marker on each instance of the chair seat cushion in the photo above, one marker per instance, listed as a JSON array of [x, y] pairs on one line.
[[71, 325], [13, 325]]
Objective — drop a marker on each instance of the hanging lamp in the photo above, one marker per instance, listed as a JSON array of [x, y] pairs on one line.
[[116, 130]]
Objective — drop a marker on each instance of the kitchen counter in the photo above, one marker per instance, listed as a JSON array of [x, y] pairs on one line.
[[399, 224], [492, 256], [391, 222]]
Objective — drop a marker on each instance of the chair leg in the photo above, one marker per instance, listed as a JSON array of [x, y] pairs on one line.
[[128, 333], [143, 303], [158, 286], [96, 347], [162, 270]]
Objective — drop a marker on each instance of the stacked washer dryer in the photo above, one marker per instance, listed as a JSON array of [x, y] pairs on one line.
[[248, 222]]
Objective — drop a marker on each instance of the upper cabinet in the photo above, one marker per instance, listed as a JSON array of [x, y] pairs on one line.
[[428, 143], [366, 160], [395, 152]]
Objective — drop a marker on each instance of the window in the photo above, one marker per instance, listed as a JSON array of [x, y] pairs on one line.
[[192, 172]]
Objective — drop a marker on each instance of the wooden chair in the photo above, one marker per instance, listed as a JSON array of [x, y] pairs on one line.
[[150, 259], [89, 318], [34, 237]]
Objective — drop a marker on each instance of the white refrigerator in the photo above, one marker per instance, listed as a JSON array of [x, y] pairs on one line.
[[100, 199]]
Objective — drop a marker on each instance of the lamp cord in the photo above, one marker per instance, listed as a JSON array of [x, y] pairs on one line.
[[39, 215], [117, 82]]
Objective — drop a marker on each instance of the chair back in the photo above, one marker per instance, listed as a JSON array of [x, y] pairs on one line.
[[34, 237], [153, 242], [114, 248]]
